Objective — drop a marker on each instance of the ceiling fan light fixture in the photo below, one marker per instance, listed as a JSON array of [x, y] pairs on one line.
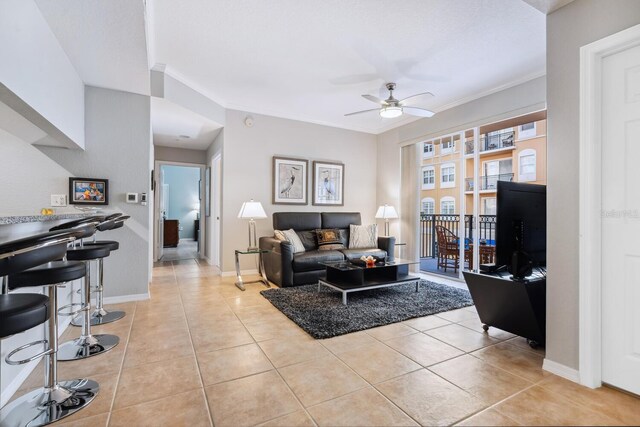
[[390, 112]]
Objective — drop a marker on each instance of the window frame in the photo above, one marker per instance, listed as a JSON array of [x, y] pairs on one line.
[[448, 199], [531, 176], [428, 154], [527, 133], [429, 186], [448, 183], [430, 200]]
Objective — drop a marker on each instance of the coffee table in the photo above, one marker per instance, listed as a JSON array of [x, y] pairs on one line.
[[346, 277]]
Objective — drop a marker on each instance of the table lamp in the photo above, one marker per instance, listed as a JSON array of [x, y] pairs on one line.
[[386, 212], [252, 210]]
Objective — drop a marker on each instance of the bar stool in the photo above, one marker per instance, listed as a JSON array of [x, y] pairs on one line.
[[86, 345], [100, 316], [20, 312]]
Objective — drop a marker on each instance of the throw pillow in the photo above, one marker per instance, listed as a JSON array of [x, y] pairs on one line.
[[363, 236], [295, 241], [279, 235], [329, 239]]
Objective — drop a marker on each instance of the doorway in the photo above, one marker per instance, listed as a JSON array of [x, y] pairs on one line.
[[178, 212], [610, 223]]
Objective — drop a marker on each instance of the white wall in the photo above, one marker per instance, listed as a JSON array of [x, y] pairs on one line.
[[577, 24], [514, 101], [118, 147], [247, 159], [27, 178], [40, 79]]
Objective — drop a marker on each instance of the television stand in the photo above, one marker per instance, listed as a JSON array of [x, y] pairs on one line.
[[515, 306]]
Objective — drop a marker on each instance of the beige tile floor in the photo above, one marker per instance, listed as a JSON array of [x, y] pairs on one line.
[[202, 353]]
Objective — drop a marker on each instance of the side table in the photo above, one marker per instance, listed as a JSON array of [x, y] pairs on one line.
[[263, 278]]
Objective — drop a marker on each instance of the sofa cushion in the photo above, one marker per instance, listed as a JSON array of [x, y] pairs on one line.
[[357, 253], [329, 239], [308, 261], [297, 220], [363, 236], [308, 239], [292, 237]]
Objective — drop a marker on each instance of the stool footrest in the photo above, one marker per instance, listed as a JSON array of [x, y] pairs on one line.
[[83, 307], [30, 359]]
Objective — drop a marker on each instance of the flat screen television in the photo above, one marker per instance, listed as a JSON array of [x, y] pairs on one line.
[[521, 223]]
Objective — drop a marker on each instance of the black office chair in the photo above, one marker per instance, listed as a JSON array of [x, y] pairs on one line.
[[31, 262]]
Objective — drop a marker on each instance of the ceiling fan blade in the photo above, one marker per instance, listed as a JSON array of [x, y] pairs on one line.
[[374, 99], [360, 112], [424, 94], [415, 111]]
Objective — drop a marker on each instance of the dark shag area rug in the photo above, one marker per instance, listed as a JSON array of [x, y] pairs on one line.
[[323, 315]]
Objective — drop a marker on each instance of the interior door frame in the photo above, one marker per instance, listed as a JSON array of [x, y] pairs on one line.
[[156, 207], [590, 224]]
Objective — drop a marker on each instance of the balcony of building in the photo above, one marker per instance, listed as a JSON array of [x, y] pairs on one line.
[[488, 183], [492, 142], [433, 258]]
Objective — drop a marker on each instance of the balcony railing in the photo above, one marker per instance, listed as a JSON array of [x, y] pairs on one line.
[[488, 182], [428, 242], [492, 142]]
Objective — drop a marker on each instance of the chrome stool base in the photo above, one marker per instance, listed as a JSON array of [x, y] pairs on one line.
[[45, 406], [100, 317], [87, 346]]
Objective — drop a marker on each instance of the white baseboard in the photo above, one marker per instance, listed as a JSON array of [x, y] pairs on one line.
[[242, 272], [561, 370], [126, 298], [206, 259], [28, 368]]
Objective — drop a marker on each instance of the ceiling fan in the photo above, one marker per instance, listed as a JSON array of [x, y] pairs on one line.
[[391, 107]]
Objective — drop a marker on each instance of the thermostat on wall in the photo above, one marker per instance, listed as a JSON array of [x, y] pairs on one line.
[[132, 197]]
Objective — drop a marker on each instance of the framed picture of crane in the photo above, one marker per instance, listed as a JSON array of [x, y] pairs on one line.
[[328, 184], [290, 181]]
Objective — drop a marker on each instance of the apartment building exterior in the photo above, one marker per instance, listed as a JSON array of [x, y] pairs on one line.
[[516, 153]]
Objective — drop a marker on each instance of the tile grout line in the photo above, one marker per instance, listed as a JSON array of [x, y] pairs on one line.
[[124, 355], [276, 370], [195, 356]]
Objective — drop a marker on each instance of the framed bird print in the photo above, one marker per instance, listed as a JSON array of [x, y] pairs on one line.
[[328, 184], [290, 181]]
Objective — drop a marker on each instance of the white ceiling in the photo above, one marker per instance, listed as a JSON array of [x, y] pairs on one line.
[[311, 60], [172, 123], [306, 59], [104, 40]]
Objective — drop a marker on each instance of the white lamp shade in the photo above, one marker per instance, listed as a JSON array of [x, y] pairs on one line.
[[387, 212], [252, 210]]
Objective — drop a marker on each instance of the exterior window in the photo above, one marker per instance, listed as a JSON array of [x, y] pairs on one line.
[[448, 145], [428, 178], [447, 206], [448, 175], [527, 165], [527, 130], [489, 206], [494, 171], [427, 150], [428, 206]]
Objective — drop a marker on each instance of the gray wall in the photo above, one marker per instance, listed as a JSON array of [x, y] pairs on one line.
[[247, 159], [118, 147], [577, 24], [183, 182], [182, 155]]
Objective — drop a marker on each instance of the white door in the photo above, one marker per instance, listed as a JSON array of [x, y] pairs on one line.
[[216, 186], [162, 198], [621, 220]]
